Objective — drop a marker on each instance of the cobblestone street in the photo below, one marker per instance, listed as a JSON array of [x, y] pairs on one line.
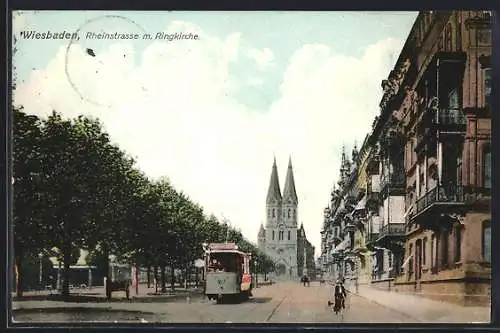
[[287, 302]]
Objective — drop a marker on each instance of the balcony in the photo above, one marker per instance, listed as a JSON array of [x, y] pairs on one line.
[[451, 122], [440, 200], [396, 182], [373, 201], [391, 236], [392, 229], [451, 117]]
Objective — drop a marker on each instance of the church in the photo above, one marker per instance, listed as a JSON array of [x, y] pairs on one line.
[[281, 239]]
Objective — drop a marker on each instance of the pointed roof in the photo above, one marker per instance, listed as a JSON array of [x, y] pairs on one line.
[[274, 191], [262, 231], [289, 192]]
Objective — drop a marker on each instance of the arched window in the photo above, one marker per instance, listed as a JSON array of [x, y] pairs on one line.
[[447, 38], [273, 234], [486, 248], [294, 213], [274, 212], [289, 212], [487, 167], [289, 234]]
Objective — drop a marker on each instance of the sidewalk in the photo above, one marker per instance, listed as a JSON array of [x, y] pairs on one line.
[[422, 309], [96, 297]]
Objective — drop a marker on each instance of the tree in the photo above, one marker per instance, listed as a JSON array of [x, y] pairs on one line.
[[28, 222], [74, 158]]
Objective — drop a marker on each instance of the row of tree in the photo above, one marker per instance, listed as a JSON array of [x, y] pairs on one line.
[[75, 189]]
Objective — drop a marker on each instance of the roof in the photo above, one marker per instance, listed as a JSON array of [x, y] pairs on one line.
[[274, 192], [230, 251], [289, 191]]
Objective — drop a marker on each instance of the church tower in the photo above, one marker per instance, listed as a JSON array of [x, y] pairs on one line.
[[279, 237], [273, 202], [261, 238], [290, 200]]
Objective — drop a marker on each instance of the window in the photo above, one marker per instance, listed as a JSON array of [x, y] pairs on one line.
[[449, 93], [294, 213], [487, 87], [487, 241], [424, 251], [458, 244], [268, 212], [274, 212], [447, 38], [273, 234], [289, 234], [487, 167], [289, 212]]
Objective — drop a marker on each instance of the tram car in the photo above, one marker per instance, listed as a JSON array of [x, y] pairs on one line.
[[227, 273]]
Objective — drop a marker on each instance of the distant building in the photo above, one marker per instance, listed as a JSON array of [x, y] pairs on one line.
[[280, 238]]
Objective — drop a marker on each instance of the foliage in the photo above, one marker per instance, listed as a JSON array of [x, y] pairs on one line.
[[74, 189]]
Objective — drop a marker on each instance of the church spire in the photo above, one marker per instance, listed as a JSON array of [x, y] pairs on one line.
[[289, 191], [274, 192]]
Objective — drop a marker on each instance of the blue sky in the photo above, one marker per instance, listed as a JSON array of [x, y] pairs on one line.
[[209, 114]]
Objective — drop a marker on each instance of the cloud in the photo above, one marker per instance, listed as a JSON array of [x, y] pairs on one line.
[[262, 57], [169, 106]]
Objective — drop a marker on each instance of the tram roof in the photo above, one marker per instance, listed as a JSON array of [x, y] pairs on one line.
[[229, 251]]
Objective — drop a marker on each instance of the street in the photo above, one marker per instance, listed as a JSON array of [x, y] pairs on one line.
[[287, 302]]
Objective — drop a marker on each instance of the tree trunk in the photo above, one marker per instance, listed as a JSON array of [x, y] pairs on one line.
[[105, 253], [149, 276], [19, 274], [66, 273], [155, 272], [172, 277], [163, 280]]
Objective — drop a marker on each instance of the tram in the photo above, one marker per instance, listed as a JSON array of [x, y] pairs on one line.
[[227, 273]]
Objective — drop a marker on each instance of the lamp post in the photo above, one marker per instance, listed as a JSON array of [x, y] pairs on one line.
[[112, 259], [40, 256], [256, 273]]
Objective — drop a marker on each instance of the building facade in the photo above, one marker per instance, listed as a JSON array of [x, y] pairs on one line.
[[426, 166], [281, 238], [445, 115]]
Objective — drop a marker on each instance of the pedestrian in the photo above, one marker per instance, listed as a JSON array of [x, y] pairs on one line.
[[339, 295]]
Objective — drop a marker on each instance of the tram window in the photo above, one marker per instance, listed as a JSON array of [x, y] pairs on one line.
[[226, 262]]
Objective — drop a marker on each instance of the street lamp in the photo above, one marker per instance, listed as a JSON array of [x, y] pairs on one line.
[[112, 259], [256, 273], [40, 256]]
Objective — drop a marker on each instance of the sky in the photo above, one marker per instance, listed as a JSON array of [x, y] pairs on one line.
[[211, 113]]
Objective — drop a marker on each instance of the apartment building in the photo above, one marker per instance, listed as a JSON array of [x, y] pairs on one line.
[[444, 113]]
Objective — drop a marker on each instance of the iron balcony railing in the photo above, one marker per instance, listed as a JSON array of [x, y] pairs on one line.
[[392, 229], [371, 238], [394, 179], [451, 116], [441, 194]]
